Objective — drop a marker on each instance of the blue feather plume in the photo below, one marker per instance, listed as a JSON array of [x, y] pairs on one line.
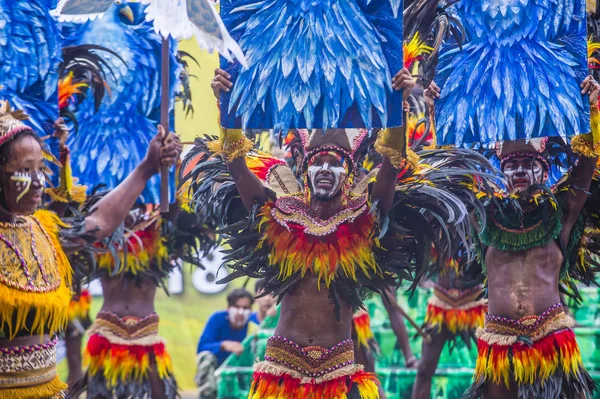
[[314, 64], [30, 52], [518, 73], [111, 142]]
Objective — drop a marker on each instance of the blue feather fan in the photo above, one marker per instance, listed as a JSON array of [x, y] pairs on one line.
[[314, 64], [518, 74]]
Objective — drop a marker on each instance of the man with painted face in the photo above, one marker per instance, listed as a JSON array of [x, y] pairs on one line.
[[317, 243], [313, 336], [528, 246]]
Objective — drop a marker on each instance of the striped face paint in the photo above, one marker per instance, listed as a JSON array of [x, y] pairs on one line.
[[23, 182], [327, 173]]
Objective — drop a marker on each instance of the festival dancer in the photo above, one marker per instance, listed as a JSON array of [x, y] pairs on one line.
[[455, 310], [366, 348], [317, 245], [534, 240], [35, 299]]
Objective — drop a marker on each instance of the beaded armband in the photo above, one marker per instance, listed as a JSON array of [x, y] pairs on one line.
[[588, 145], [232, 144]]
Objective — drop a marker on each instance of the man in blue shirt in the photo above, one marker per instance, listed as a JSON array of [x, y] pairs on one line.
[[222, 336], [226, 329]]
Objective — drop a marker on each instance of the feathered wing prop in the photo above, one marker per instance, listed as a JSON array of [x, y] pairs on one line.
[[516, 76], [180, 19], [183, 19]]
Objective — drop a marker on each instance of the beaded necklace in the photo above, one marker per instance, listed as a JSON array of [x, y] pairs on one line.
[[24, 230]]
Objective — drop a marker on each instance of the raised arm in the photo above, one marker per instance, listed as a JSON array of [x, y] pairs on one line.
[[234, 145], [391, 143], [587, 146], [112, 209]]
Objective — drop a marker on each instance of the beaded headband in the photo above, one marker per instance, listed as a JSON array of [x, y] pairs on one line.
[[339, 153], [11, 122], [507, 150], [535, 156]]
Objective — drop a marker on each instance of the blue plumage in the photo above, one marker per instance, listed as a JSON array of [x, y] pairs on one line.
[[110, 143], [518, 75], [30, 53], [314, 63]]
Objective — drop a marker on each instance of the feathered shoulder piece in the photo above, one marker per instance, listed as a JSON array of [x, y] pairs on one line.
[[283, 240], [149, 246], [582, 257], [211, 188]]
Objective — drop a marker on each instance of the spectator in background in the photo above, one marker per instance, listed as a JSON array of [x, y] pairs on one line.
[[222, 336], [267, 304]]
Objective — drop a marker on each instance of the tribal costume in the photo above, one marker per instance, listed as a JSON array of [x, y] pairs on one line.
[[459, 312], [539, 352], [35, 287], [457, 305], [120, 354], [283, 239], [122, 350]]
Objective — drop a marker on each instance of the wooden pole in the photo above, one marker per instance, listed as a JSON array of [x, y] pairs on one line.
[[426, 337], [164, 121]]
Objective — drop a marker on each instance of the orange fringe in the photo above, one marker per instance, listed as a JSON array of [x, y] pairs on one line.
[[270, 386], [125, 362], [529, 364], [455, 320], [362, 327], [80, 308]]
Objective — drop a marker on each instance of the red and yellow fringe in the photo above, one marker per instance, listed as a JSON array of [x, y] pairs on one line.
[[143, 247], [455, 320], [525, 364], [80, 308], [269, 386], [122, 363], [349, 248], [362, 327]]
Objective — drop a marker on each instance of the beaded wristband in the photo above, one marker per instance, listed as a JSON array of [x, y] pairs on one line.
[[392, 144], [588, 145], [232, 143]]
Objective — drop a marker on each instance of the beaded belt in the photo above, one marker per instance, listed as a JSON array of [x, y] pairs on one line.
[[534, 327], [455, 297], [24, 366], [127, 330], [312, 361]]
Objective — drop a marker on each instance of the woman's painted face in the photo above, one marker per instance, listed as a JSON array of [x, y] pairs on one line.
[[523, 172], [326, 175], [23, 177]]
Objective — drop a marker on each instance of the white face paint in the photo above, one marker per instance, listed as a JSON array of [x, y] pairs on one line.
[[238, 317], [523, 172], [23, 181], [326, 180]]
